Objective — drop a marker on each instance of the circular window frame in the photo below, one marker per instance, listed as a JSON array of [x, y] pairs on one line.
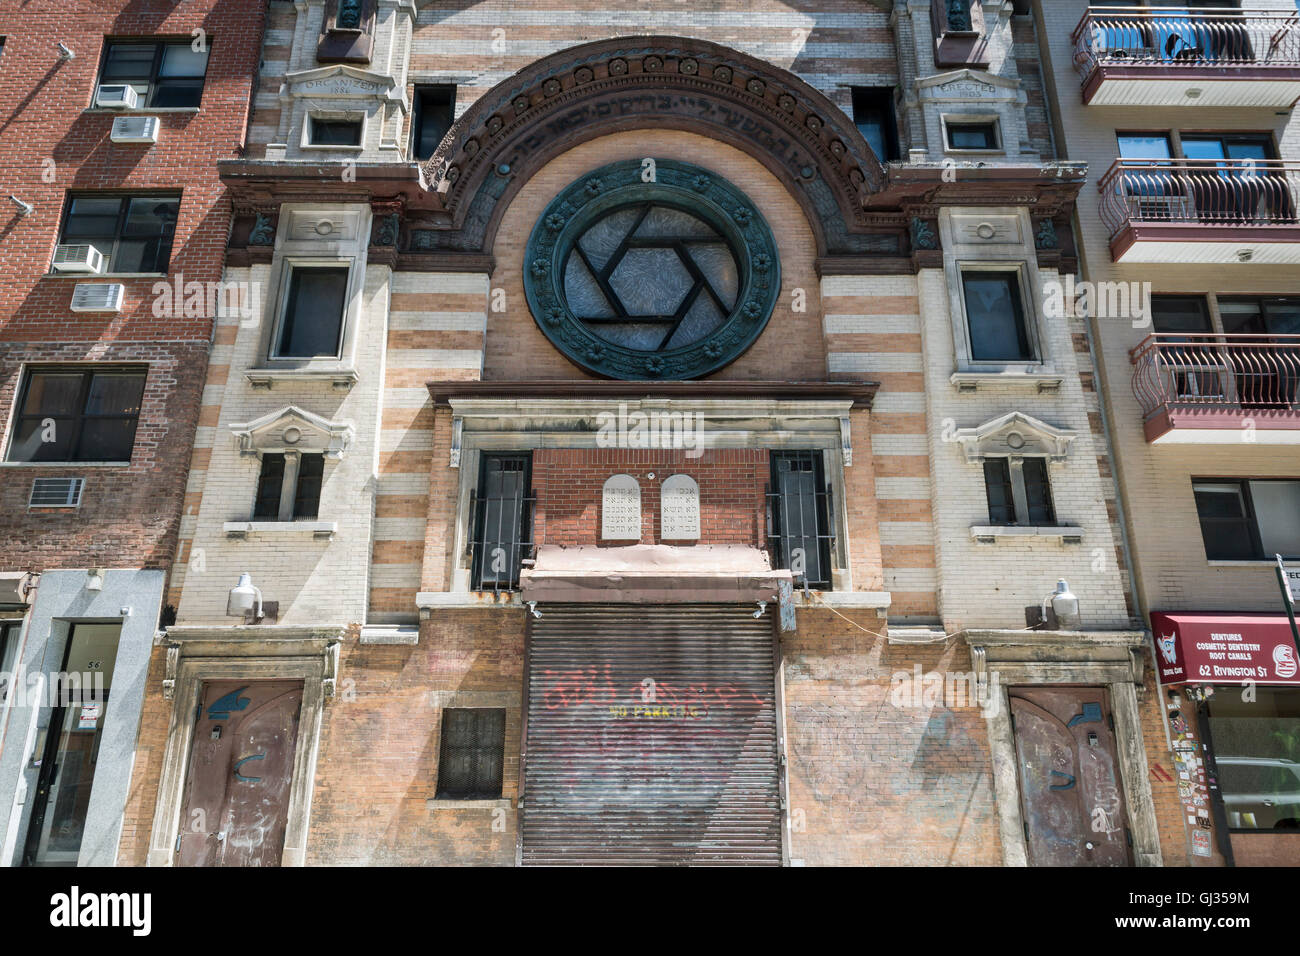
[[692, 189]]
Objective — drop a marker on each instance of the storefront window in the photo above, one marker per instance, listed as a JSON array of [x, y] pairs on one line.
[[1257, 749]]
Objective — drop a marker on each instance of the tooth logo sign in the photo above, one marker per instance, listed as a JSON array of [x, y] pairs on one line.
[[1169, 647], [1284, 660]]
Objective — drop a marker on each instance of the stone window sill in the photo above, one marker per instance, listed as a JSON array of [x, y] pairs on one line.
[[390, 634], [438, 803], [324, 530], [988, 534], [341, 377], [428, 601], [140, 111], [64, 464], [847, 599], [970, 380]]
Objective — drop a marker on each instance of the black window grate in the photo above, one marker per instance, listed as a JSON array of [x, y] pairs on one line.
[[501, 538], [471, 754], [799, 518]]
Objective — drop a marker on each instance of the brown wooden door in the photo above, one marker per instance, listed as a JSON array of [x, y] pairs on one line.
[[1071, 796], [241, 765]]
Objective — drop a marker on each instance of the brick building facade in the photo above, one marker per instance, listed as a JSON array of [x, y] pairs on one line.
[[112, 196], [657, 435], [521, 632]]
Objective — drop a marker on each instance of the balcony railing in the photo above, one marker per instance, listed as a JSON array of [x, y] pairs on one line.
[[1205, 372], [1210, 192], [1210, 37]]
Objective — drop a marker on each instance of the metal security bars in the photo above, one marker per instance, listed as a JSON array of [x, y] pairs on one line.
[[471, 755], [1173, 38], [1202, 192], [799, 518], [501, 537]]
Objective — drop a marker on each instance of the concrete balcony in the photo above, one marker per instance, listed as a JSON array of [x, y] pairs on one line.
[[1149, 56], [1218, 389], [1202, 211]]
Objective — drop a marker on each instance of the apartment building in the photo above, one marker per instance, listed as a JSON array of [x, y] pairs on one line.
[[113, 238], [1188, 238]]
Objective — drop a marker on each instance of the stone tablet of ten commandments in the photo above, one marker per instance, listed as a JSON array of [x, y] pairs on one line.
[[620, 509], [679, 509]]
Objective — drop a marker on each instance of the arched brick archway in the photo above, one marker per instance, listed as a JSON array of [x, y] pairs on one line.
[[651, 82]]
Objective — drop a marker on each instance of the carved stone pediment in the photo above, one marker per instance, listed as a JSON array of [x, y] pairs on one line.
[[340, 80], [293, 429], [967, 84], [1012, 435]]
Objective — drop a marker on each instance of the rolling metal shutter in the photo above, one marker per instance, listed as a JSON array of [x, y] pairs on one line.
[[651, 737]]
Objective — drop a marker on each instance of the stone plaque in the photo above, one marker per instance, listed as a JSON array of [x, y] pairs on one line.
[[620, 509], [679, 509]]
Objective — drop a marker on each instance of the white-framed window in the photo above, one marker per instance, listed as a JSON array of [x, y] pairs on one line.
[[972, 133], [313, 312], [339, 130], [996, 314]]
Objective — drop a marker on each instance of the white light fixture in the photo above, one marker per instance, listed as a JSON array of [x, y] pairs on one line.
[[95, 579], [1064, 604], [244, 597], [23, 207], [65, 53]]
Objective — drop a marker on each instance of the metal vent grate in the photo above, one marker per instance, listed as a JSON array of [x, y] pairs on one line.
[[56, 493]]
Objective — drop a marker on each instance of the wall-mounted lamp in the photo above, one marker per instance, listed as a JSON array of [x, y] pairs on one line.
[[65, 53], [244, 597], [24, 208], [1064, 604], [95, 579]]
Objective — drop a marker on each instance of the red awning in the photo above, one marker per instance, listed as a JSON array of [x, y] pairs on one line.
[[1225, 649]]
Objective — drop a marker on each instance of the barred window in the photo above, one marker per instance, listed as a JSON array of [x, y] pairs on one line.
[[501, 536], [800, 517], [471, 756]]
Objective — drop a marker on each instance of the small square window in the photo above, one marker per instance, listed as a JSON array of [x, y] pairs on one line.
[[334, 132], [973, 136], [995, 315], [471, 754], [435, 110], [313, 315]]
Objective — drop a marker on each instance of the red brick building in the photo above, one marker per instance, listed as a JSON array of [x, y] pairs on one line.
[[112, 120]]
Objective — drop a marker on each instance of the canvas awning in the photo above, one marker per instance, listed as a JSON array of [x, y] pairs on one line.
[[1225, 649]]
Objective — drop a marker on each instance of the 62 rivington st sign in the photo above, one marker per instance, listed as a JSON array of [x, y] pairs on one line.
[[1225, 648]]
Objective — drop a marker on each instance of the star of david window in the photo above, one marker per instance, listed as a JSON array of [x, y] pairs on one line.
[[668, 278]]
